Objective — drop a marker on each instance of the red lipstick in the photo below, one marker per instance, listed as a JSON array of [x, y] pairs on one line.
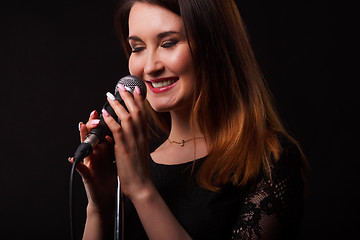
[[166, 86]]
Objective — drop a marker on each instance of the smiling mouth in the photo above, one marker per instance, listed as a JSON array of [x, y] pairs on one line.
[[163, 83]]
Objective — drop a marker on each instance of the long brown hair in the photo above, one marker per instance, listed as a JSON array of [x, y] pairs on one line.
[[232, 104]]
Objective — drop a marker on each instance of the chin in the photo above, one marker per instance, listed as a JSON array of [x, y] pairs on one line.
[[160, 108]]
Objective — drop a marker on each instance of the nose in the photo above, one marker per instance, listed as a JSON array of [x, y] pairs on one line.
[[153, 65]]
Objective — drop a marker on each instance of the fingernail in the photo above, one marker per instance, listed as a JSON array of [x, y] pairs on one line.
[[92, 113], [95, 122], [105, 113], [137, 90], [109, 95], [122, 88], [79, 125]]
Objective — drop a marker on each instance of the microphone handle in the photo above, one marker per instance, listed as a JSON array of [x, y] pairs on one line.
[[97, 134]]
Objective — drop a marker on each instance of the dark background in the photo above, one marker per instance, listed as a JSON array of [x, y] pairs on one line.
[[58, 60]]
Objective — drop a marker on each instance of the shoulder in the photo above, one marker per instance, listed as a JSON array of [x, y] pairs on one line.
[[285, 175], [291, 161], [272, 208]]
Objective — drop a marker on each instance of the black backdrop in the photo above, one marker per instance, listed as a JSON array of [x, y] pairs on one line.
[[59, 59]]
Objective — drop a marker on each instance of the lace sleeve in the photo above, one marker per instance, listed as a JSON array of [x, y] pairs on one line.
[[273, 209]]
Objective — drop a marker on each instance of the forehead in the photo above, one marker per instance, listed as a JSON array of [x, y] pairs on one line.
[[145, 18]]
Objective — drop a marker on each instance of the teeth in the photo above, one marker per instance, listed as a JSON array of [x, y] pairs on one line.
[[162, 84]]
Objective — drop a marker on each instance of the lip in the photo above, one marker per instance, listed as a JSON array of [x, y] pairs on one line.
[[161, 89]]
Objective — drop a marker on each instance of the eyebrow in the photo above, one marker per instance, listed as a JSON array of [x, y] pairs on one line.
[[167, 33], [159, 36]]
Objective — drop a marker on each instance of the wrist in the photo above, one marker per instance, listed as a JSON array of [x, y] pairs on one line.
[[98, 225], [146, 193], [103, 216]]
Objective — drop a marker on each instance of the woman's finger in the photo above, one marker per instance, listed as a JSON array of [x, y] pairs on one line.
[[127, 119], [136, 110], [81, 168], [140, 101], [104, 146], [92, 122], [116, 130], [83, 131]]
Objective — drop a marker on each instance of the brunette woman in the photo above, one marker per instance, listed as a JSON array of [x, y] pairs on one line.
[[227, 169]]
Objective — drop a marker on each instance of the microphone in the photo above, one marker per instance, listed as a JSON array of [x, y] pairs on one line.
[[97, 134]]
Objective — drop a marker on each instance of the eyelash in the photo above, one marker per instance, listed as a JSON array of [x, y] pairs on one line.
[[166, 44], [136, 49], [169, 44]]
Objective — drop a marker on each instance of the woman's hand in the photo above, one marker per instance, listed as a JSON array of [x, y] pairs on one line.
[[131, 142], [98, 172], [130, 149]]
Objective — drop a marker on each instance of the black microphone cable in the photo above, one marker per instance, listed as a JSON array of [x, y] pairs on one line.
[[84, 149], [71, 206]]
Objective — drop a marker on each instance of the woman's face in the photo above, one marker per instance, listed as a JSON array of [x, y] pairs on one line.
[[161, 56]]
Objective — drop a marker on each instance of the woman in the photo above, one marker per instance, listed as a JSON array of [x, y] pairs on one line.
[[228, 169]]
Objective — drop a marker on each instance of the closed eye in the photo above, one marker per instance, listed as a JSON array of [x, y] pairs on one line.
[[169, 43], [136, 49], [136, 44]]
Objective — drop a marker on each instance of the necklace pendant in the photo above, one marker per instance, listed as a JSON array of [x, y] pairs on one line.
[[182, 143]]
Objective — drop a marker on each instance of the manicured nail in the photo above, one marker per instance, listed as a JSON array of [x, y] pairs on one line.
[[109, 95], [79, 125], [92, 113], [106, 114], [137, 90], [95, 122], [121, 87]]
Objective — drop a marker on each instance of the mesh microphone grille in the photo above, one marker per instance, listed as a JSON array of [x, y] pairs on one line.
[[130, 82]]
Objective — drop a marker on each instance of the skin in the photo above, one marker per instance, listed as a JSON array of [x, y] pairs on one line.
[[161, 51]]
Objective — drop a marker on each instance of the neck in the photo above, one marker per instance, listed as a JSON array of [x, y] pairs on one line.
[[181, 128]]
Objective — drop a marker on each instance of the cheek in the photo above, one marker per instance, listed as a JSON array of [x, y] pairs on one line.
[[180, 62], [134, 66]]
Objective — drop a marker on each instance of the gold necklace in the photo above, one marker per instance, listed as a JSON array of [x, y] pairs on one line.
[[182, 142]]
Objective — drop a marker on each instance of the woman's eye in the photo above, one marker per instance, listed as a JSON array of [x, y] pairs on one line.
[[169, 44], [136, 49]]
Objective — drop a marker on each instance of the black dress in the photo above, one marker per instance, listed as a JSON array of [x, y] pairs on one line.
[[270, 210]]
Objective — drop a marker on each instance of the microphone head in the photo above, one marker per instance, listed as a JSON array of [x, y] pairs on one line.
[[130, 82]]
